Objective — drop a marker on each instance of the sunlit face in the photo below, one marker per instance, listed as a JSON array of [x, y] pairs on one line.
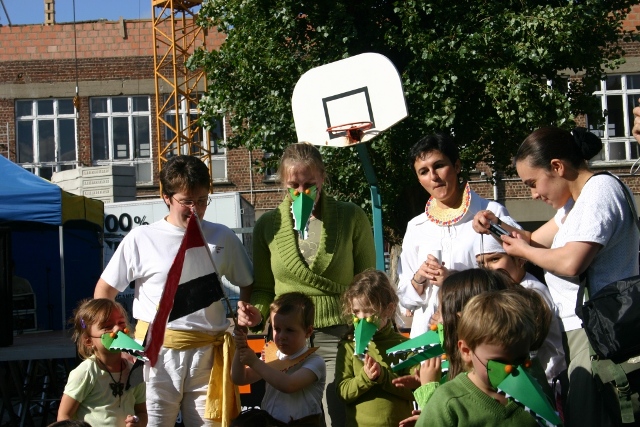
[[288, 333], [438, 176], [300, 177], [361, 309], [116, 322], [547, 186], [499, 260], [478, 358], [179, 210]]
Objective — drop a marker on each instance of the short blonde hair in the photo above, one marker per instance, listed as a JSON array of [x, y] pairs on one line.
[[302, 154], [502, 318]]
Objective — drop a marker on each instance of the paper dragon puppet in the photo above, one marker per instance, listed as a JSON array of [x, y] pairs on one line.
[[122, 342], [512, 380], [364, 330], [302, 207]]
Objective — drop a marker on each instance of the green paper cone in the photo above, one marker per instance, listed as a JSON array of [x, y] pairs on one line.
[[301, 209], [122, 342], [523, 388], [364, 331]]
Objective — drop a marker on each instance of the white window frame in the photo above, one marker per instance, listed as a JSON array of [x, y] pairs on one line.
[[608, 139], [36, 166], [140, 163], [217, 146]]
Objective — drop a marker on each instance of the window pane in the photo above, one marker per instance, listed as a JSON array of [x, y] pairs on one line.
[[99, 138], [46, 172], [99, 105], [633, 82], [46, 141], [635, 149], [120, 138], [617, 151], [45, 107], [65, 106], [25, 142], [168, 133], [615, 119], [141, 138], [67, 132], [140, 103], [614, 82], [143, 172], [119, 105], [632, 102], [24, 108], [219, 169]]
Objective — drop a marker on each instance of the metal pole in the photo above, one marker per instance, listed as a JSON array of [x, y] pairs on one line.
[[376, 203]]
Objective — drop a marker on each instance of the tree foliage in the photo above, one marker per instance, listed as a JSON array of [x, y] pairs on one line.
[[489, 71]]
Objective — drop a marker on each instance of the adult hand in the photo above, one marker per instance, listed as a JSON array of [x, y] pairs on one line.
[[412, 420], [430, 271], [371, 368], [636, 124], [515, 245], [248, 315], [482, 220]]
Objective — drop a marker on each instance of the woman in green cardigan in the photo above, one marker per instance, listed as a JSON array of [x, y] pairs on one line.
[[313, 244]]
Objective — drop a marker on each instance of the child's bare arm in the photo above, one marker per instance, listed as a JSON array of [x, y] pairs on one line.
[[281, 381], [140, 419], [68, 408], [240, 373]]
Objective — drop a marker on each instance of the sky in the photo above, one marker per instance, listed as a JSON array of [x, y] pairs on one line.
[[32, 11]]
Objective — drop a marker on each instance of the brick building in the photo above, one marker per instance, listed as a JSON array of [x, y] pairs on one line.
[[111, 63]]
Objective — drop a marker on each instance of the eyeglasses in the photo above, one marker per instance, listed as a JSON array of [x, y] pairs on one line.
[[190, 203]]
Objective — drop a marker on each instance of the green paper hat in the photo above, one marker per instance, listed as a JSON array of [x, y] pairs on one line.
[[122, 342], [364, 331], [423, 347], [516, 383], [302, 207]]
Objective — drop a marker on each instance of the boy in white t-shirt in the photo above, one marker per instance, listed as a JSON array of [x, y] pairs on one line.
[[295, 378]]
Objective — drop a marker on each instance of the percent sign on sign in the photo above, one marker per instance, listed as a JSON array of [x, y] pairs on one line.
[[140, 221]]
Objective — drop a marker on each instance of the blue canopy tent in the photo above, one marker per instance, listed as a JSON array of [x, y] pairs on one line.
[[56, 241]]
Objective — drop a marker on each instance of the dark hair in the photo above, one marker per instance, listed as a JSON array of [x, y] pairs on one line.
[[374, 288], [548, 143], [455, 293], [295, 302], [541, 313], [440, 141], [184, 173]]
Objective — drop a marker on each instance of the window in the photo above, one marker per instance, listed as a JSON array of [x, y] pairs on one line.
[[270, 173], [212, 141], [121, 134], [46, 135], [618, 96]]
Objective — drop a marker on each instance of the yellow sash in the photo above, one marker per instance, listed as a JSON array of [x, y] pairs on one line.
[[223, 397]]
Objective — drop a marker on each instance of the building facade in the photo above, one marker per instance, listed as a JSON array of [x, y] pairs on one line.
[[109, 66]]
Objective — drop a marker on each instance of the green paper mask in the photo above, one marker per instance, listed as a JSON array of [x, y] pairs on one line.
[[515, 382], [302, 207], [122, 342], [364, 331], [423, 347]]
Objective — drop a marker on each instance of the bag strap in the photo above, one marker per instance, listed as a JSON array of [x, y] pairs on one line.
[[583, 277], [610, 372]]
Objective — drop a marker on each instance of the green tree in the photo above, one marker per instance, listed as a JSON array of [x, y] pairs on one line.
[[489, 71]]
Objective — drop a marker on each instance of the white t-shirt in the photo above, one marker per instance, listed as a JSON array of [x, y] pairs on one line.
[[600, 215], [455, 242], [551, 353], [308, 401], [145, 256]]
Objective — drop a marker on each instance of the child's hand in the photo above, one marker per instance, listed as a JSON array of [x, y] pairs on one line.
[[131, 421], [247, 356], [371, 368], [430, 370], [408, 381], [411, 421], [240, 338], [248, 315]]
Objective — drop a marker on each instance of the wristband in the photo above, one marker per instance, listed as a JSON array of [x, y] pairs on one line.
[[413, 279]]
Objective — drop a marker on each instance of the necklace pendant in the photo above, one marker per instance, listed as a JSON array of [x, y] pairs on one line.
[[117, 388]]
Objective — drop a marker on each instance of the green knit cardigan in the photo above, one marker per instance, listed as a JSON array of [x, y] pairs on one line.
[[346, 249]]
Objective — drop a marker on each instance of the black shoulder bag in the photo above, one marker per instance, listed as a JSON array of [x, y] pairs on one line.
[[611, 320]]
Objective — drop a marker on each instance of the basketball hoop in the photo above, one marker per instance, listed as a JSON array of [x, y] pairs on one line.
[[352, 131]]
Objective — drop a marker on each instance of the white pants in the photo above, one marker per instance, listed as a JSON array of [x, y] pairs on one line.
[[179, 382]]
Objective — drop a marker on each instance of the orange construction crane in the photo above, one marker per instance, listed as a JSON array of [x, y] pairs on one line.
[[176, 35]]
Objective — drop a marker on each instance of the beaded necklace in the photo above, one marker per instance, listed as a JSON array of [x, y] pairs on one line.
[[448, 216]]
